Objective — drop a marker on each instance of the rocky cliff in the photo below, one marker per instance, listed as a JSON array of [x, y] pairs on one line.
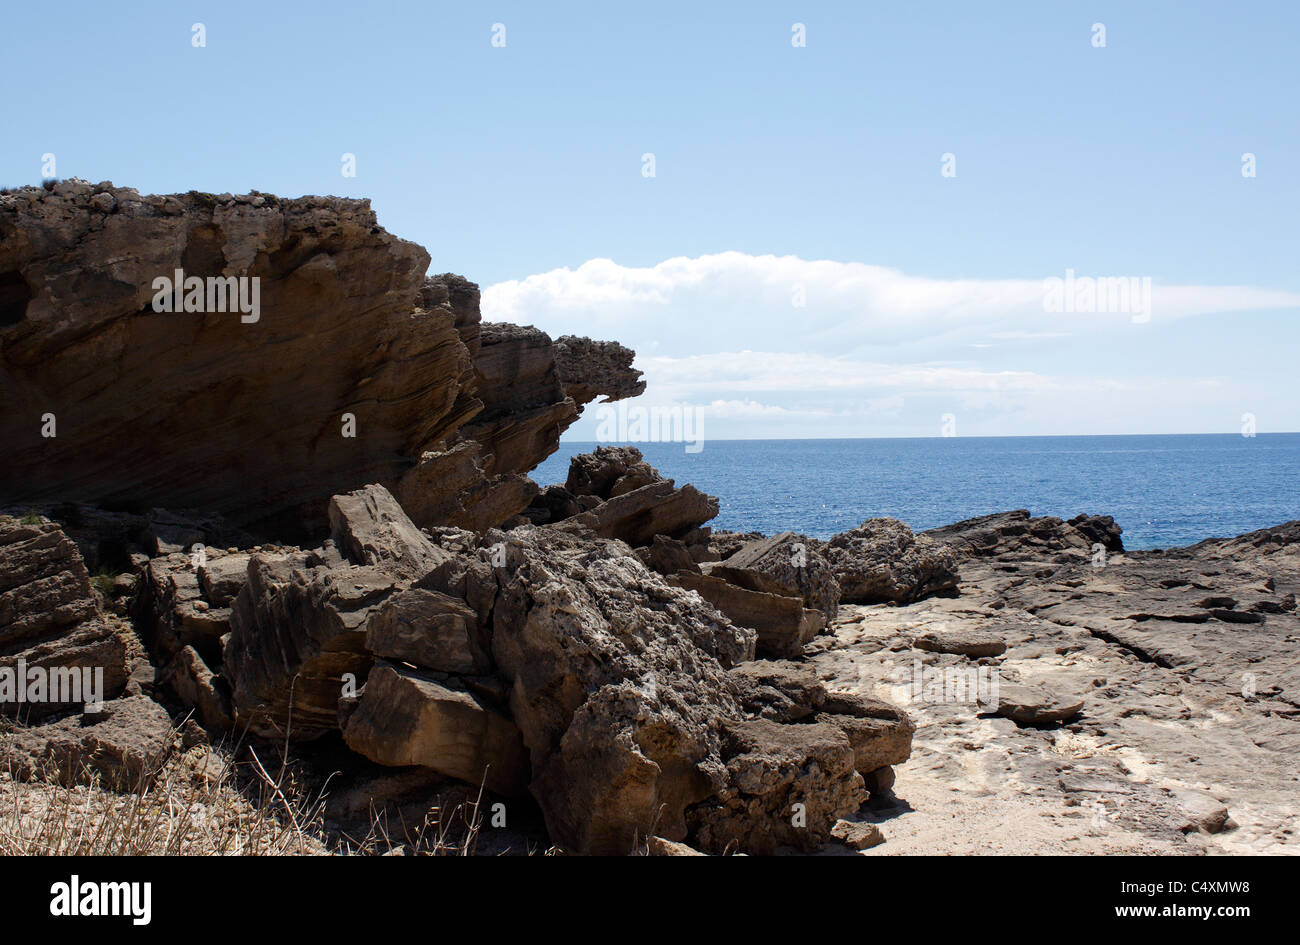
[[354, 369]]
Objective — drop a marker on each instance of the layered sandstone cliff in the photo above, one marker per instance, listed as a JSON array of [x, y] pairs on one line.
[[357, 368]]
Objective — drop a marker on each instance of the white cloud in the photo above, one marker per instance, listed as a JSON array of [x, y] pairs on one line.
[[709, 303], [797, 394], [781, 346], [753, 410], [803, 372]]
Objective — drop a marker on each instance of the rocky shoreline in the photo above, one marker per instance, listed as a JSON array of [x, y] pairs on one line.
[[314, 537]]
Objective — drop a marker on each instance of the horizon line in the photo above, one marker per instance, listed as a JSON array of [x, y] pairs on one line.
[[1001, 436]]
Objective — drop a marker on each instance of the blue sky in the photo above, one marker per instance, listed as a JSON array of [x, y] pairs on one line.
[[777, 169]]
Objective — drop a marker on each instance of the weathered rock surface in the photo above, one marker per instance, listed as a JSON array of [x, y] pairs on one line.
[[121, 745], [1035, 705], [802, 768], [964, 642], [51, 623], [879, 732], [429, 630], [636, 517], [658, 846], [608, 666], [780, 690], [1145, 700], [607, 469], [348, 331], [669, 556], [859, 836], [298, 634], [723, 544], [783, 624], [787, 564], [779, 586], [371, 528], [478, 479], [589, 369], [787, 785], [881, 561], [183, 612], [613, 492], [1015, 533], [410, 717]]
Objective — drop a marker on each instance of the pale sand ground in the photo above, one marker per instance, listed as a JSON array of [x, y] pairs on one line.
[[978, 784]]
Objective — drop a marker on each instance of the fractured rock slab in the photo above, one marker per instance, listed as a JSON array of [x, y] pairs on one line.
[[50, 620], [783, 624], [409, 717], [787, 564], [429, 630], [370, 528], [297, 637], [962, 642]]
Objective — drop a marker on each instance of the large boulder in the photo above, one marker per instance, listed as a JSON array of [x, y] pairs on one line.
[[618, 684], [370, 527], [882, 561], [411, 717], [608, 471], [430, 630], [787, 785], [880, 733]]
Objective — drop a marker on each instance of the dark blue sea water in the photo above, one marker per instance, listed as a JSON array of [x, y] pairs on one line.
[[1164, 490]]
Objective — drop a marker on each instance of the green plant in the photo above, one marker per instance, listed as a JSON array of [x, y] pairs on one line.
[[102, 579]]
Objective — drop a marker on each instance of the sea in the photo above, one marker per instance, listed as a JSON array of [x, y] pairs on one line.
[[1165, 491]]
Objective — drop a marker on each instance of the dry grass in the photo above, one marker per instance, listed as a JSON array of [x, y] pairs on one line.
[[204, 803], [193, 807], [452, 830]]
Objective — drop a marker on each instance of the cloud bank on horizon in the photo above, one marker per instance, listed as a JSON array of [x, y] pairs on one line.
[[780, 346]]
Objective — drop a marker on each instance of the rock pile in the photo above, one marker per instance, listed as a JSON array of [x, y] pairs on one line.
[[539, 660], [62, 656], [312, 523]]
